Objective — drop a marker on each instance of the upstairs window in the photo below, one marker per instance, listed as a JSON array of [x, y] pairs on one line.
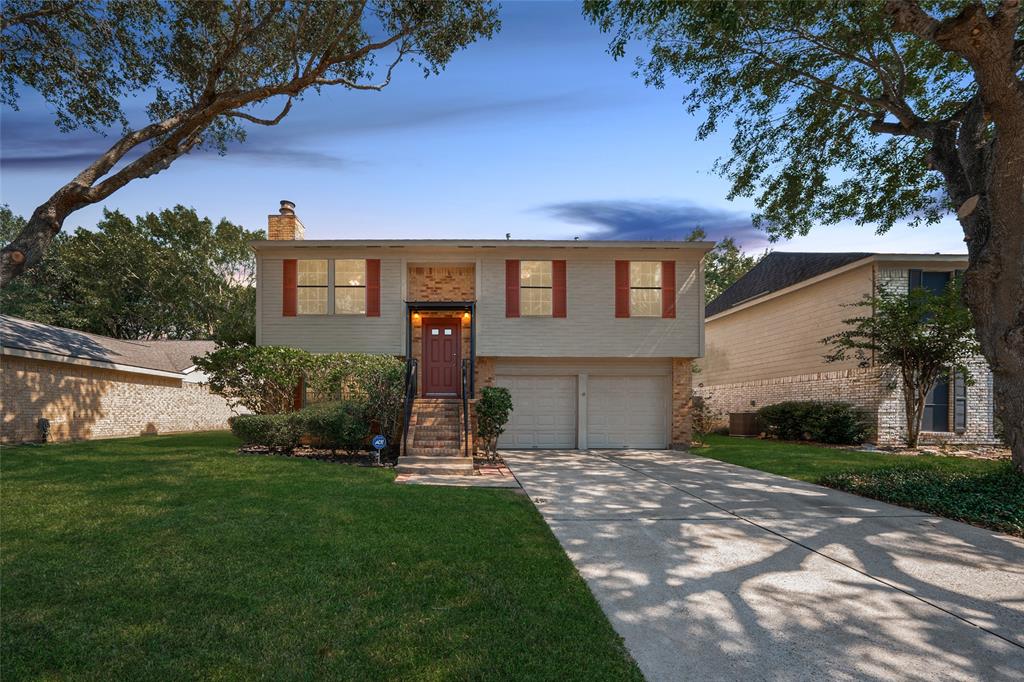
[[645, 289], [350, 287], [535, 288], [312, 287]]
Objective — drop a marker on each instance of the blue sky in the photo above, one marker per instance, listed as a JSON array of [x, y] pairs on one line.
[[537, 133]]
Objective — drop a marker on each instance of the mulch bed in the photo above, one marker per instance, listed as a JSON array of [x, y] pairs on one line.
[[362, 459]]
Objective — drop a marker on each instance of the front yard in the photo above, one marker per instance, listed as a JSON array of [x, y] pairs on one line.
[[983, 492], [172, 557]]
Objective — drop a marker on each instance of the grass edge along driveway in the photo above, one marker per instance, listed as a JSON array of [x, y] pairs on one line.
[[986, 493], [172, 557]]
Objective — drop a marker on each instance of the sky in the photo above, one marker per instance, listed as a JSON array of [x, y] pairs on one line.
[[537, 133]]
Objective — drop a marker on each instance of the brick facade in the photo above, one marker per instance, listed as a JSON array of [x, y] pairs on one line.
[[873, 391], [84, 402], [682, 402], [441, 283]]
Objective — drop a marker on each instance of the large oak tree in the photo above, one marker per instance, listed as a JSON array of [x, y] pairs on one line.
[[875, 112], [206, 68]]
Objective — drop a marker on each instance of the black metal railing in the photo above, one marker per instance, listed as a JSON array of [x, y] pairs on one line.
[[466, 369], [410, 396]]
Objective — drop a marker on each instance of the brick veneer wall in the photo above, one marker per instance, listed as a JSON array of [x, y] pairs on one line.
[[682, 402], [870, 389], [86, 402], [441, 283]]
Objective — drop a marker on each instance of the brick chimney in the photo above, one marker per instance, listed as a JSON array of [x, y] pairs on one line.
[[285, 225]]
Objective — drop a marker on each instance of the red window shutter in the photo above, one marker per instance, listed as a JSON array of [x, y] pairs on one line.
[[290, 294], [668, 288], [511, 288], [298, 395], [622, 288], [373, 287], [558, 308]]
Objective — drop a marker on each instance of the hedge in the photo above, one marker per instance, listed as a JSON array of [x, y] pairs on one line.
[[821, 421], [341, 425]]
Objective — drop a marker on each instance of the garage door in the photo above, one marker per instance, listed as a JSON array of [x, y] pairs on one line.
[[543, 412], [627, 412]]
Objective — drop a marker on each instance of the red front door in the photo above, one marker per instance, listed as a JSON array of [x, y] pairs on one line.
[[442, 345]]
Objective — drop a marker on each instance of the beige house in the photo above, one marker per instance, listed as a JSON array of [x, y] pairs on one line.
[[61, 384], [594, 339], [764, 344]]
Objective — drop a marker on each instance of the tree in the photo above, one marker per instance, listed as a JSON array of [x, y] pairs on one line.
[[922, 335], [723, 264], [207, 67], [177, 276], [875, 112]]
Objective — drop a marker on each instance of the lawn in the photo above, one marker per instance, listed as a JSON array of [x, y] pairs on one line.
[[983, 492], [172, 557]]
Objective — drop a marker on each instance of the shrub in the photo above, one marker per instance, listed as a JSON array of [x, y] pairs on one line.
[[821, 421], [337, 426], [275, 431], [987, 498], [260, 378], [492, 412], [705, 419]]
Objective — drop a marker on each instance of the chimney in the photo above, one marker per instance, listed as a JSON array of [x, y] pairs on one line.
[[285, 225]]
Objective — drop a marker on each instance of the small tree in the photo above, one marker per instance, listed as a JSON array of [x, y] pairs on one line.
[[492, 412], [923, 335], [705, 419]]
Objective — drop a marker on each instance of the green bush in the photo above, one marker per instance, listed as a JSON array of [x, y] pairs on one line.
[[336, 426], [821, 421], [994, 499], [275, 431], [492, 412]]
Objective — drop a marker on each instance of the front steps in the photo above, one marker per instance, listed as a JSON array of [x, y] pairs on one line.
[[435, 439]]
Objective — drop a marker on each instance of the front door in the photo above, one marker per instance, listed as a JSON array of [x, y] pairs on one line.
[[442, 346]]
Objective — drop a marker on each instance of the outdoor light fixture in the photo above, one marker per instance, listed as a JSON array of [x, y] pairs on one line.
[[415, 318], [465, 317]]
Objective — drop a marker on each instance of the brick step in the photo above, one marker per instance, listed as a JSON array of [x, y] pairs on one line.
[[417, 451], [425, 443], [439, 459], [434, 469], [438, 431], [435, 421], [431, 412]]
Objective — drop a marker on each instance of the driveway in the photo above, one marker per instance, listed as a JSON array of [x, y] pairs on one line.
[[713, 571]]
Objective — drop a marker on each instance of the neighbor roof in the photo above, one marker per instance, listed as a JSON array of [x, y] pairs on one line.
[[36, 338], [776, 271]]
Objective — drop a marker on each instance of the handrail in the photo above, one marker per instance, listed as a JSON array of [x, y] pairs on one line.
[[465, 405], [410, 396]]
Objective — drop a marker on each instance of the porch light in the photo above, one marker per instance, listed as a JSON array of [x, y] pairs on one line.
[[415, 318], [465, 317]]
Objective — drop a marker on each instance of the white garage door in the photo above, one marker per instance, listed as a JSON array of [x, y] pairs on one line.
[[543, 412], [627, 412]]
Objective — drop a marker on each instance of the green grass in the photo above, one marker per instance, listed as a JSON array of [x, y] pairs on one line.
[[174, 558], [987, 493]]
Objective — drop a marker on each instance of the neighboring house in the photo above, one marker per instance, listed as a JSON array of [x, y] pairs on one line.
[[90, 386], [764, 344], [594, 339]]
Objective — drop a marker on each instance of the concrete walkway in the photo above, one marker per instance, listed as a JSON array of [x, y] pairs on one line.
[[711, 571]]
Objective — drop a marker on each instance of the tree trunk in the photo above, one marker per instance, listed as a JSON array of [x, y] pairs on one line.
[[913, 405], [30, 245]]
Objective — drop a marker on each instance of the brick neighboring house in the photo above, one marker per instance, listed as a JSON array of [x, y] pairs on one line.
[[764, 344], [594, 339], [91, 386]]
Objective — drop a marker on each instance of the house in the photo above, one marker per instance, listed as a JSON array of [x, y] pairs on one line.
[[594, 339], [764, 344], [61, 384]]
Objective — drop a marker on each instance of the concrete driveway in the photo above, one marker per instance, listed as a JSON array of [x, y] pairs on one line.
[[713, 571]]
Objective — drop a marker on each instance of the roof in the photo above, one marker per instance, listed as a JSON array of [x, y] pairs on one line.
[[36, 338], [781, 270], [441, 244], [776, 271]]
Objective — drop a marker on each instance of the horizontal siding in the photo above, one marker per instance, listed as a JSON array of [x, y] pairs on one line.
[[333, 333], [590, 328], [782, 336]]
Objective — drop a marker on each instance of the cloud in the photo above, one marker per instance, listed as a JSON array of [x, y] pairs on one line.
[[655, 220]]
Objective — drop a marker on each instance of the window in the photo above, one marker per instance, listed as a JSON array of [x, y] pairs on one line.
[[535, 287], [645, 288], [350, 287], [312, 287]]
